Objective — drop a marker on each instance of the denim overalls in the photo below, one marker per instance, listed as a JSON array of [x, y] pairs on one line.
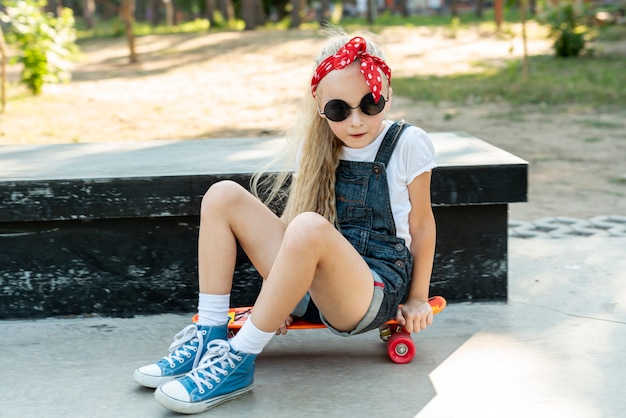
[[366, 220]]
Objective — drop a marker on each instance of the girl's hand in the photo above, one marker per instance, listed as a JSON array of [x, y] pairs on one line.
[[415, 315], [283, 328]]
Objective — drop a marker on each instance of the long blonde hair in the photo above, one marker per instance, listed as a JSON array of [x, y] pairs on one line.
[[314, 149]]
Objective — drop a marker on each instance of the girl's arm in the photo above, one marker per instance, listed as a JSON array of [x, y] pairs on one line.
[[416, 314]]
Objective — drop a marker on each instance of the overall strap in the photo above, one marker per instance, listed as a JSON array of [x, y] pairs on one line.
[[389, 142]]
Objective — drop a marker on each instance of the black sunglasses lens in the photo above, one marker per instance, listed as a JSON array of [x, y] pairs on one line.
[[337, 110], [369, 107]]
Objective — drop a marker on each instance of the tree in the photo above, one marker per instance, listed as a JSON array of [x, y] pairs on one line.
[[89, 8], [252, 13], [371, 11], [127, 11], [498, 13], [480, 5], [525, 70], [567, 27], [324, 17], [46, 44], [226, 9], [296, 13], [209, 7]]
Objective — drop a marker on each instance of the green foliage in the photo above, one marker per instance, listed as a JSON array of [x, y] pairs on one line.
[[587, 82], [567, 27], [46, 44]]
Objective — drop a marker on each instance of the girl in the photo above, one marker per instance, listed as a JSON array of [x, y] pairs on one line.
[[356, 239]]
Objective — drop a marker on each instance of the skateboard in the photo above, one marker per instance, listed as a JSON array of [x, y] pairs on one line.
[[400, 345]]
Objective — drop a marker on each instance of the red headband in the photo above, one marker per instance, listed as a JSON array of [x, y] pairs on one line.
[[356, 48]]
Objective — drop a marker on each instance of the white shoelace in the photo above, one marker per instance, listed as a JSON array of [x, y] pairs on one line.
[[213, 364], [180, 346]]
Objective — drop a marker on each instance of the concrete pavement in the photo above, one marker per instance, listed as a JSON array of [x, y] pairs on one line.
[[556, 349]]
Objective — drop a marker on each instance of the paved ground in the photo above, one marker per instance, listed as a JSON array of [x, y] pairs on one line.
[[556, 349]]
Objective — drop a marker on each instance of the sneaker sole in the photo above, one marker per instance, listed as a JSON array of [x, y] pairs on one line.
[[152, 381], [197, 407]]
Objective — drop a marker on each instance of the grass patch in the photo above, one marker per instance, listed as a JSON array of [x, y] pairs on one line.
[[618, 180], [592, 140], [593, 123], [589, 81], [465, 19]]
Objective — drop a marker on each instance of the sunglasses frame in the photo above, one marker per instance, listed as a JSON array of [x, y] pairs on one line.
[[360, 106]]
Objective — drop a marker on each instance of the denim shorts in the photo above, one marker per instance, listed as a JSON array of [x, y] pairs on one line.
[[384, 306]]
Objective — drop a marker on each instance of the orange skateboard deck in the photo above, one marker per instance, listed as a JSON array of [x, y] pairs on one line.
[[400, 345]]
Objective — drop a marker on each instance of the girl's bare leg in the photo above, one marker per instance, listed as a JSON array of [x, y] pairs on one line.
[[314, 256], [229, 214], [308, 255]]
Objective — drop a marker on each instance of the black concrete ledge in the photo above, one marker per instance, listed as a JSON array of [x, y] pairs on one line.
[[112, 228]]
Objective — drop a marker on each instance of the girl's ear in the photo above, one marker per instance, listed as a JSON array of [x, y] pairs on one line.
[[319, 111]]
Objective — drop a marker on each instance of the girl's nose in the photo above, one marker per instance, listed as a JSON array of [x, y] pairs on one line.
[[356, 117]]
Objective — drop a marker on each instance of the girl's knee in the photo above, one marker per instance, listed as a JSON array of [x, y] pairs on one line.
[[309, 228], [222, 194]]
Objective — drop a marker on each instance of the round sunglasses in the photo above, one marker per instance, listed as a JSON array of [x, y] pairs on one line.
[[337, 110]]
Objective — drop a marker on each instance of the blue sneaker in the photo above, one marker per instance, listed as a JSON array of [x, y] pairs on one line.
[[221, 375], [185, 353]]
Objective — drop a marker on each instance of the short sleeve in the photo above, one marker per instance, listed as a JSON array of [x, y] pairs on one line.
[[417, 152]]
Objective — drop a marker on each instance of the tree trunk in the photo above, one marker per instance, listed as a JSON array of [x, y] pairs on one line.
[[522, 14], [372, 11], [210, 12], [454, 8], [248, 14], [169, 12], [324, 17], [89, 8], [480, 5], [226, 9], [127, 11], [296, 13], [260, 13], [404, 8], [4, 56], [154, 10], [498, 13]]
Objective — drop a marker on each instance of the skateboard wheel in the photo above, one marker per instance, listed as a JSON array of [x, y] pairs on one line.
[[401, 348]]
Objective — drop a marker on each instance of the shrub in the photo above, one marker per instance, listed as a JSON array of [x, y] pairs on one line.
[[46, 43], [567, 27]]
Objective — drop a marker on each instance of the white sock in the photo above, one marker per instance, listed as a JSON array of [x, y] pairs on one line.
[[213, 309], [250, 339]]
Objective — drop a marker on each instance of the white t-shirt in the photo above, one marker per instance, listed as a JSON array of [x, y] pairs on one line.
[[413, 155]]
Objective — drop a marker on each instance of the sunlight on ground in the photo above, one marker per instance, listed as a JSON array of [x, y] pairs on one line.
[[499, 376]]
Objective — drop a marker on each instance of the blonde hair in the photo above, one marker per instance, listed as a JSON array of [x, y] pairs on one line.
[[314, 149]]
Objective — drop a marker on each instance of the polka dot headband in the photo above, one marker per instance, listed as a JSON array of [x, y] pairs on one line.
[[356, 48]]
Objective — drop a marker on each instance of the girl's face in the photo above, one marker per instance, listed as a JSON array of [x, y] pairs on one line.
[[348, 84]]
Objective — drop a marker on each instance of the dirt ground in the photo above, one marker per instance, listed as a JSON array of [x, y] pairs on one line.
[[248, 84]]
